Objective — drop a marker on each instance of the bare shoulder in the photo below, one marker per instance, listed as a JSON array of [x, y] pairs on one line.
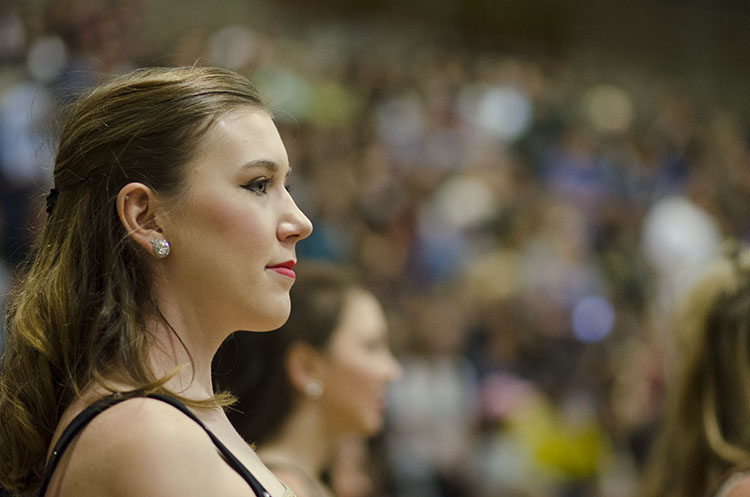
[[144, 447]]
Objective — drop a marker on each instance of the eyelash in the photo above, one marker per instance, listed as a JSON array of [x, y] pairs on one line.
[[263, 183], [253, 186]]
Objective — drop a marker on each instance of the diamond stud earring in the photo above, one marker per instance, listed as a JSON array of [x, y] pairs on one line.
[[161, 247]]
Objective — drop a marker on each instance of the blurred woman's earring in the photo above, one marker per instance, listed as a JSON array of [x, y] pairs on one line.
[[313, 389], [161, 247]]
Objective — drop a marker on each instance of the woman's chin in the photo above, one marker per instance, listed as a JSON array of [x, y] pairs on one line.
[[271, 320]]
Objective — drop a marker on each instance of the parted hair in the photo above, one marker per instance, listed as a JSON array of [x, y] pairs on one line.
[[252, 366], [78, 314], [706, 428]]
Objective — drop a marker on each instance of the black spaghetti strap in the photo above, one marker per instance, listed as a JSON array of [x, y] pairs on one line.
[[80, 421], [230, 458], [67, 436]]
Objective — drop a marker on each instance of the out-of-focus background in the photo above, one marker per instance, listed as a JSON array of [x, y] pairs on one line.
[[527, 185]]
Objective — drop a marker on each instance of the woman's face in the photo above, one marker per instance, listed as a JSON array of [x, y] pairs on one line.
[[358, 365], [233, 235]]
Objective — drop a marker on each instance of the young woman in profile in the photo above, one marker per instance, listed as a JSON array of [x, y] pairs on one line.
[[318, 380], [704, 447], [169, 228]]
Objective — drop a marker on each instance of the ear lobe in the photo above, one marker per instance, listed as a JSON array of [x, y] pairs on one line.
[[303, 364], [136, 209]]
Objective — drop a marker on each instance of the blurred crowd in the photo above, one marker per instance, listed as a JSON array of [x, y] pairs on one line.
[[528, 222]]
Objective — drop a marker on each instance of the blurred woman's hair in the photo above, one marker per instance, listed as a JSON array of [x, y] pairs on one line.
[[706, 429], [252, 366], [78, 315]]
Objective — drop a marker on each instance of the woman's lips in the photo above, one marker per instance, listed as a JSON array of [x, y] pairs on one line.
[[285, 269]]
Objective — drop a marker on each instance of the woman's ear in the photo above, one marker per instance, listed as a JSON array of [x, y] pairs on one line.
[[136, 207], [304, 364]]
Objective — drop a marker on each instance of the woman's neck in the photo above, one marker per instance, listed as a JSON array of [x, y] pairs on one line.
[[184, 340], [186, 336], [184, 355], [304, 441]]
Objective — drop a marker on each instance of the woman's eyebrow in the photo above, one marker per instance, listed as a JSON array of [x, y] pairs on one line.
[[270, 166], [262, 163]]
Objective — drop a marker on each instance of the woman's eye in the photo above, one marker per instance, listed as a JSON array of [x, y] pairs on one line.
[[258, 186]]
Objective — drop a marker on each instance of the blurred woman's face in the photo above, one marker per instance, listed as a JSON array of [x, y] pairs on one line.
[[358, 367]]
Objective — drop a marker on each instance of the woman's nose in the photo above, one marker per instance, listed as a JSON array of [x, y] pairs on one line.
[[394, 368], [295, 225]]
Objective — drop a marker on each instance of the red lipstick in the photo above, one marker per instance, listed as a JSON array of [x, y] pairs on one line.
[[285, 268]]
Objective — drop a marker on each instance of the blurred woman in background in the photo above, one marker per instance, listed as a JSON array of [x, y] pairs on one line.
[[704, 447], [315, 382]]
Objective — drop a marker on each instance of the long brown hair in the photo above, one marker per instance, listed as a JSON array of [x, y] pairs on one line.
[[706, 428], [79, 313]]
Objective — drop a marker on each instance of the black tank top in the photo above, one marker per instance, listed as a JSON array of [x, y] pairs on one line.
[[100, 405]]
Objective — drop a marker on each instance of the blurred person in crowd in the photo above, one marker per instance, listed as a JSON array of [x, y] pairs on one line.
[[27, 108], [431, 444], [704, 445], [316, 382], [169, 228]]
